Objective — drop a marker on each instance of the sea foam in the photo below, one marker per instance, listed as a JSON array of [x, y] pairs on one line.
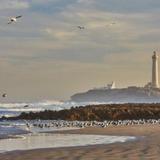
[[14, 109]]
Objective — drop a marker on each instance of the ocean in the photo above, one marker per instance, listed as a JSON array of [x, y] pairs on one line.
[[16, 135], [14, 109]]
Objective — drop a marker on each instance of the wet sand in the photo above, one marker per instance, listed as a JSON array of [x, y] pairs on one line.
[[147, 147]]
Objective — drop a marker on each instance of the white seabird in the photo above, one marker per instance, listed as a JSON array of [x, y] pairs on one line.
[[14, 19]]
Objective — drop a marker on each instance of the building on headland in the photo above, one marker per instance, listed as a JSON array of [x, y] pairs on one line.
[[108, 87], [155, 70], [154, 84], [132, 94]]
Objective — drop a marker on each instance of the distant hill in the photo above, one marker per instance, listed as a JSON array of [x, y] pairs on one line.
[[124, 95]]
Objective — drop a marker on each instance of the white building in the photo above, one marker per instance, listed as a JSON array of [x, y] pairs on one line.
[[155, 83], [109, 86]]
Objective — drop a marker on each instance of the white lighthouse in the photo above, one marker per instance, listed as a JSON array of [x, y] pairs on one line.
[[155, 83]]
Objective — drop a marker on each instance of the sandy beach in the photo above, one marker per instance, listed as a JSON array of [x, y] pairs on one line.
[[147, 146]]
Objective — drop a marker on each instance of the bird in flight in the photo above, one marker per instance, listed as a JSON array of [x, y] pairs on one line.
[[4, 95], [26, 106], [14, 19], [80, 27], [111, 24]]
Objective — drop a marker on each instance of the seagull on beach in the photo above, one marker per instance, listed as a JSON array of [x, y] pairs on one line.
[[14, 19]]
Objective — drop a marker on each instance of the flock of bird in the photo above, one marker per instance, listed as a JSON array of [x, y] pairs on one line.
[[15, 19], [11, 20], [82, 124]]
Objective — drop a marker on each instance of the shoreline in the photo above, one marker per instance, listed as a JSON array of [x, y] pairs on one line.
[[61, 140], [142, 148]]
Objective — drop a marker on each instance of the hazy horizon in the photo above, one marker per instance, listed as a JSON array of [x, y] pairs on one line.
[[45, 55]]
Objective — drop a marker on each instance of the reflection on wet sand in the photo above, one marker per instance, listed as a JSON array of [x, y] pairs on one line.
[[49, 140]]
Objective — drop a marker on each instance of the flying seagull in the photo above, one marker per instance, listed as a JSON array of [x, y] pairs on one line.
[[14, 19], [4, 95], [80, 27], [26, 106], [111, 24]]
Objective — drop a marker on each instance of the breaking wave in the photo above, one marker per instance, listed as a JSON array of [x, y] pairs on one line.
[[11, 109]]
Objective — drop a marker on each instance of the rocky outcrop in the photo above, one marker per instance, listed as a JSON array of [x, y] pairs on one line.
[[98, 113]]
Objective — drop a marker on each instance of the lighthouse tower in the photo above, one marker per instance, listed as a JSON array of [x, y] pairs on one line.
[[155, 71]]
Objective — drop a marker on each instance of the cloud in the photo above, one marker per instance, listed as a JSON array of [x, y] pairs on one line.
[[14, 4], [49, 6], [60, 34], [47, 46], [127, 6]]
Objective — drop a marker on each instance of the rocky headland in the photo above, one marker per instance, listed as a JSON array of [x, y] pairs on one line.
[[119, 95]]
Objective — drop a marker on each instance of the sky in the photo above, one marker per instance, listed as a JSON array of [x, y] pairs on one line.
[[45, 55]]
